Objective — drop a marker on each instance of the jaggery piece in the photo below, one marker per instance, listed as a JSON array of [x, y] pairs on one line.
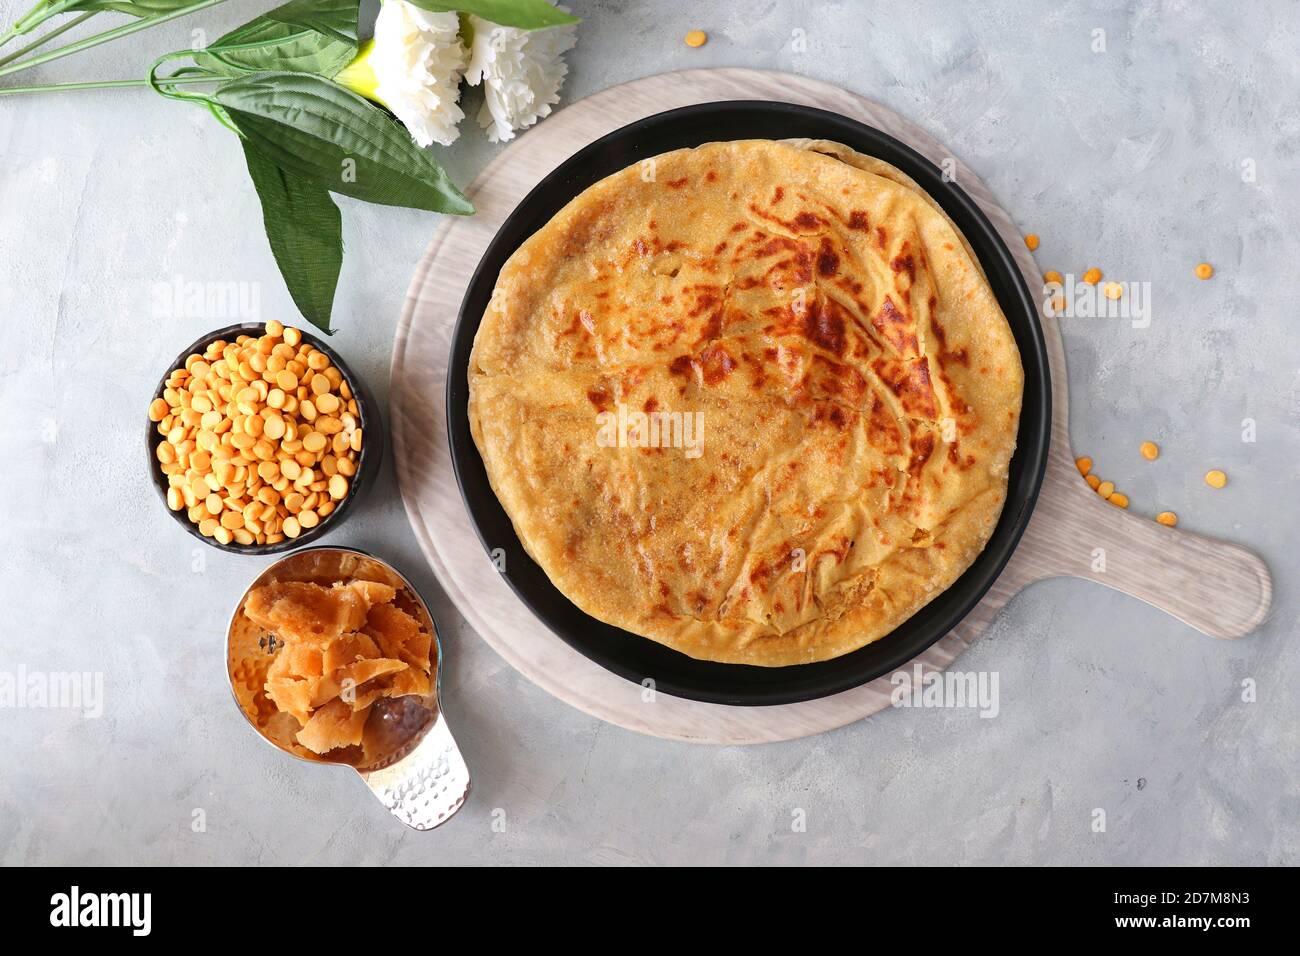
[[346, 648], [293, 696], [373, 592], [352, 676], [334, 725], [294, 678], [389, 627], [409, 681], [399, 635], [301, 660], [298, 609], [420, 646], [364, 671], [401, 683], [348, 659], [325, 690]]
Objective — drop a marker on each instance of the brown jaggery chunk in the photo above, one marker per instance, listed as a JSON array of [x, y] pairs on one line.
[[334, 725], [373, 592], [409, 681], [302, 660], [291, 696], [399, 635], [346, 648], [341, 649], [299, 609], [364, 671]]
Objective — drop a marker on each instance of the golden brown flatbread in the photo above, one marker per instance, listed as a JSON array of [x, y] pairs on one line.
[[753, 400]]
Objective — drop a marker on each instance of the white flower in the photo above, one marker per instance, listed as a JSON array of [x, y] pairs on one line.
[[418, 60], [521, 72]]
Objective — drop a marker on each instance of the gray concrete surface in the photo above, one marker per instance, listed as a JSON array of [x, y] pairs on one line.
[[1130, 159]]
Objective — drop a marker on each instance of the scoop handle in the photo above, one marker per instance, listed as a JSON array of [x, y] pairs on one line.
[[1221, 589], [429, 785]]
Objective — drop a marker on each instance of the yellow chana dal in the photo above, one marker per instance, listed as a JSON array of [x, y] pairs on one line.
[[261, 437]]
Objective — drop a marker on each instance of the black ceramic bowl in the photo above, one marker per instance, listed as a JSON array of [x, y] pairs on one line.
[[637, 658], [372, 448]]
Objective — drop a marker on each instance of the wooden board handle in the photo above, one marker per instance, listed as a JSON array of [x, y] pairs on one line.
[[1220, 589]]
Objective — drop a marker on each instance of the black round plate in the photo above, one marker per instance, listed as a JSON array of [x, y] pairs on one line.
[[637, 658]]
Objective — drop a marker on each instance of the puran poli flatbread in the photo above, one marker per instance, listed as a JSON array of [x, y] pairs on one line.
[[858, 387]]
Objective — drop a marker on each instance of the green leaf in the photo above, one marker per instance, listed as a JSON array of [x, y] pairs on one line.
[[269, 45], [304, 36], [334, 18], [308, 125], [306, 234], [524, 14]]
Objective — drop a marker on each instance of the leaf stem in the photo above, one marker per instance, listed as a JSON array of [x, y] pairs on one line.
[[106, 84], [41, 41], [37, 14], [189, 74], [108, 35]]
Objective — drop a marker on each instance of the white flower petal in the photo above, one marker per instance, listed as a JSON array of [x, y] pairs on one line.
[[521, 72], [418, 60]]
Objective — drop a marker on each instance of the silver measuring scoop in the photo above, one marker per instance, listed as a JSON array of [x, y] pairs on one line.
[[408, 756]]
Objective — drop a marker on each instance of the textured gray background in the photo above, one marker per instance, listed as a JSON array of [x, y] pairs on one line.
[[1128, 159]]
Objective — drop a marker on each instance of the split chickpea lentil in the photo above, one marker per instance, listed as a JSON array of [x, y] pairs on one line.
[[261, 437], [1150, 451]]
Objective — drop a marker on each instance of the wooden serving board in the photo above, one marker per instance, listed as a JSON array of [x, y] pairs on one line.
[[1218, 588]]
